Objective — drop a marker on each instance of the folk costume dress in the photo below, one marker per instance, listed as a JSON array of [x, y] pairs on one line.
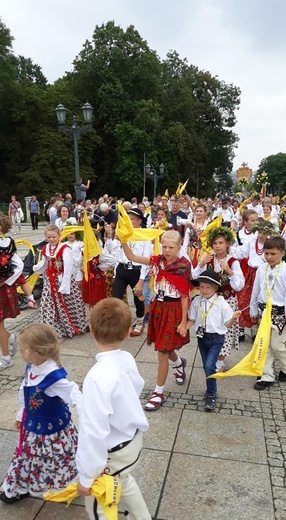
[[93, 289], [229, 286], [192, 243], [45, 455], [11, 267], [170, 283], [61, 304]]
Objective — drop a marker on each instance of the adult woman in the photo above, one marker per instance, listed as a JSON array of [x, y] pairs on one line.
[[64, 217], [191, 241]]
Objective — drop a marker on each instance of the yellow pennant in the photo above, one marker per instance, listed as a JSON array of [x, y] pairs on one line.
[[183, 187], [91, 247], [243, 204], [126, 232], [203, 238], [253, 363]]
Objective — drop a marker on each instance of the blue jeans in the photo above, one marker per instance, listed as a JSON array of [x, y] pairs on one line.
[[210, 346]]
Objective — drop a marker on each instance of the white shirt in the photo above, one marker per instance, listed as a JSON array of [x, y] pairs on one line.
[[61, 224], [227, 214], [219, 314], [111, 412], [16, 262], [278, 295], [67, 390], [141, 248], [236, 281], [258, 208], [248, 250]]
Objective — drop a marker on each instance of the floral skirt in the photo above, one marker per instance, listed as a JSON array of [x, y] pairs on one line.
[[164, 318], [8, 302], [46, 461], [231, 340], [65, 313]]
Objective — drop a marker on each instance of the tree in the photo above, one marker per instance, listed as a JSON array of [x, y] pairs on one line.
[[275, 167]]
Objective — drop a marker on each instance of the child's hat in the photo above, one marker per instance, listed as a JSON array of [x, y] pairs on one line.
[[208, 276]]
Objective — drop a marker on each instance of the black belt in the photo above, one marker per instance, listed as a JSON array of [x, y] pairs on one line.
[[138, 267], [121, 445], [278, 309]]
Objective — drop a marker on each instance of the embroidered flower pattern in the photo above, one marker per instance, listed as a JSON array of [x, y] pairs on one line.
[[35, 401]]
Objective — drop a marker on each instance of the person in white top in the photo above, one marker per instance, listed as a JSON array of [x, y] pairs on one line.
[[111, 420], [271, 279], [226, 211], [64, 217], [212, 316], [255, 204], [267, 215]]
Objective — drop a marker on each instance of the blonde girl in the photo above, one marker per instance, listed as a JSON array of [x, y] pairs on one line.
[[61, 303], [168, 312], [45, 456]]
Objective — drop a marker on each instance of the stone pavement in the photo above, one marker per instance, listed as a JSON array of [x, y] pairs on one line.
[[227, 465]]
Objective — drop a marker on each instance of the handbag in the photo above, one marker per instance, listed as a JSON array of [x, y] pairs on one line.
[[20, 214]]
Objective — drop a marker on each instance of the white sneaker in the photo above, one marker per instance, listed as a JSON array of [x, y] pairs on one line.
[[4, 363], [12, 345]]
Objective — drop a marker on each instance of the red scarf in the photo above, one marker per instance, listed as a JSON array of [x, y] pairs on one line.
[[177, 274]]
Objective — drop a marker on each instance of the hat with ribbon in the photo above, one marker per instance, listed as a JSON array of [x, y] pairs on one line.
[[208, 276]]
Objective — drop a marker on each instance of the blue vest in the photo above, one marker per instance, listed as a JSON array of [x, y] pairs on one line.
[[44, 414]]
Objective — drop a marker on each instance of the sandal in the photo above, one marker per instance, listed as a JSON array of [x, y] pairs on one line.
[[154, 402], [180, 373]]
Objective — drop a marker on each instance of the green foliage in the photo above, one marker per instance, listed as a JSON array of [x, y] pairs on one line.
[[168, 110], [275, 167]]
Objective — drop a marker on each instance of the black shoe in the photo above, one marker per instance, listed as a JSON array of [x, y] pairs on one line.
[[12, 500], [87, 329], [241, 338], [282, 377], [253, 338], [262, 385], [210, 403]]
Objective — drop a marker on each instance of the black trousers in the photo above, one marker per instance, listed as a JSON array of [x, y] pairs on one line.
[[123, 278], [34, 220]]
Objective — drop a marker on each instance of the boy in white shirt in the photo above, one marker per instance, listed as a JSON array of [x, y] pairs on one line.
[[271, 277], [212, 316], [111, 419]]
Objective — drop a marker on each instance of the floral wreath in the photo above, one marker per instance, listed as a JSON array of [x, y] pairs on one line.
[[220, 231], [265, 226]]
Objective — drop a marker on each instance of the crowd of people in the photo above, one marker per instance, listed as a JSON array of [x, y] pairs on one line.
[[219, 260]]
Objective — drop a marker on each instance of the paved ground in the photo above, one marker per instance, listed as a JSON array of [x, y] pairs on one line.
[[229, 465]]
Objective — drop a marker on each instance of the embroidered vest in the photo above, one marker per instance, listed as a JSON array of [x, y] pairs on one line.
[[227, 290]]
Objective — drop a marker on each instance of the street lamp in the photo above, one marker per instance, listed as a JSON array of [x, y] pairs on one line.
[[76, 132], [153, 175], [197, 181]]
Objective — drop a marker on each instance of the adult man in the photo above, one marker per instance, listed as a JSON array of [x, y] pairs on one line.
[[105, 215], [226, 211], [34, 208], [83, 189], [255, 204], [174, 215], [68, 203], [15, 213]]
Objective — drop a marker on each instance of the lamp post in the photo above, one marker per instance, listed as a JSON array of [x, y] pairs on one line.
[[75, 131], [153, 175], [198, 179]]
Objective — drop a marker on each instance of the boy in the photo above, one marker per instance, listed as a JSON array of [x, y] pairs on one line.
[[111, 418], [271, 277], [211, 315]]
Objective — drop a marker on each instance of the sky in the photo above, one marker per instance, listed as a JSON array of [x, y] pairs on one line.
[[241, 41]]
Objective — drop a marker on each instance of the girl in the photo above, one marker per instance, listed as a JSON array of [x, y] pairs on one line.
[[64, 217], [168, 312], [267, 215], [232, 281], [11, 266], [76, 244], [192, 242], [45, 456], [61, 303]]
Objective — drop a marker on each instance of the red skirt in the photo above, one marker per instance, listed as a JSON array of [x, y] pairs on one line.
[[8, 302], [244, 297], [94, 289], [163, 321]]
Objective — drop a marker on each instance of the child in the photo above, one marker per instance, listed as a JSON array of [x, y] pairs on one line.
[[76, 245], [111, 418], [45, 457], [168, 312], [61, 303], [252, 252], [271, 277], [232, 281], [11, 266], [212, 315]]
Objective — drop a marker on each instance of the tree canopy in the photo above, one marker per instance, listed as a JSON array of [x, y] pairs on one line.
[[166, 109], [275, 167]]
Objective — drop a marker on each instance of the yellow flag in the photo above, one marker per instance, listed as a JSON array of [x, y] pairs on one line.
[[106, 489], [253, 363], [91, 246], [167, 193], [67, 230], [183, 187], [203, 238], [148, 210], [243, 204], [178, 189], [126, 232]]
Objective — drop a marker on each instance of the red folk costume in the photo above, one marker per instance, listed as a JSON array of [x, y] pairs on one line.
[[61, 304], [8, 295], [171, 282], [94, 289]]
